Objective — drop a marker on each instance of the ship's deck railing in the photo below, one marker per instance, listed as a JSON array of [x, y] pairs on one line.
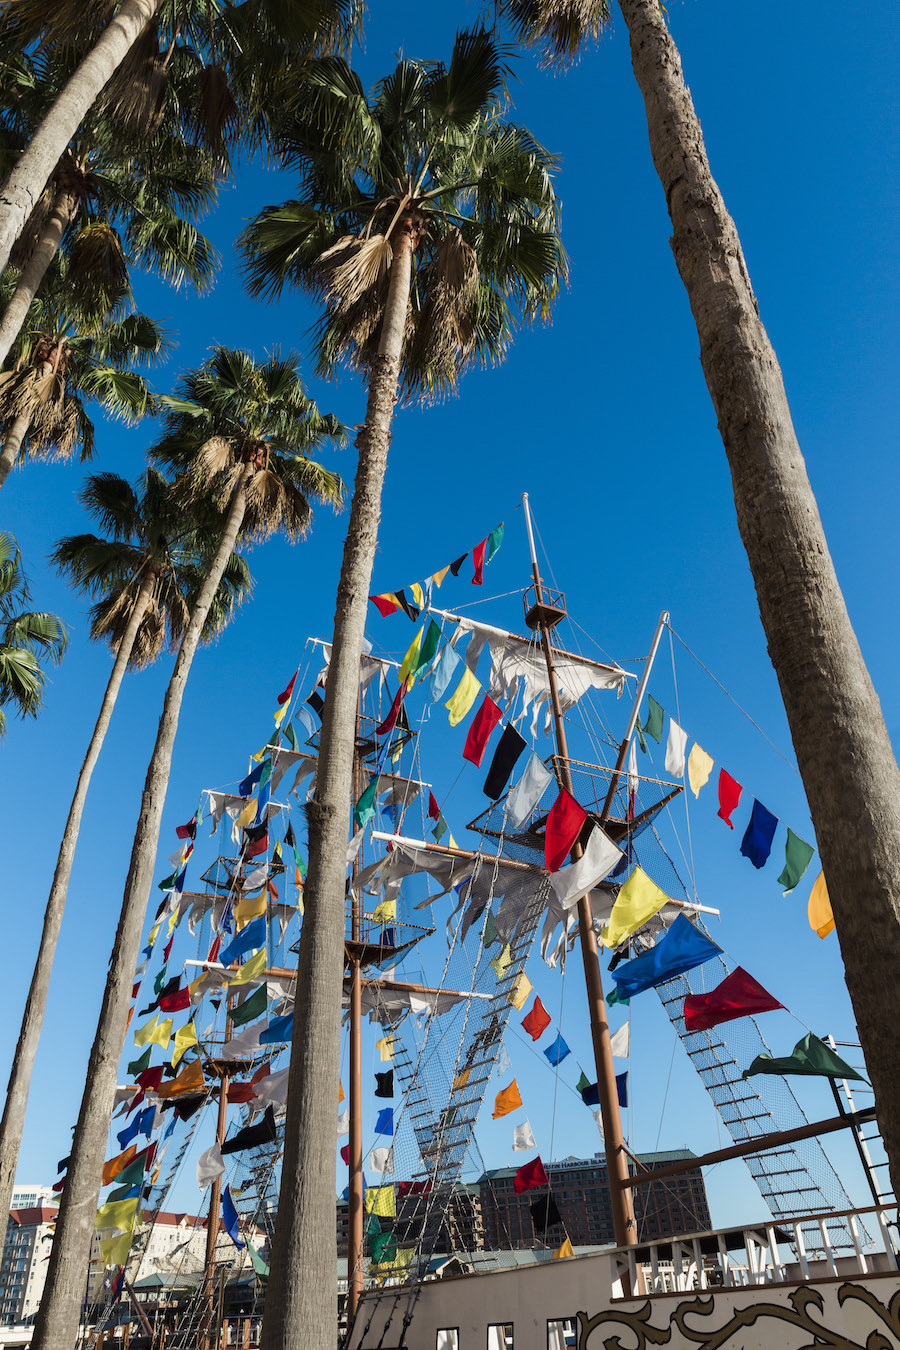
[[773, 1252]]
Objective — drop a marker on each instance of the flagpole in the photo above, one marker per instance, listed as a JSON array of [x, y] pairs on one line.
[[355, 1195], [624, 1225]]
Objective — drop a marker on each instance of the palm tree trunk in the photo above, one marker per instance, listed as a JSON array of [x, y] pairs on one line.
[[300, 1296], [36, 164], [12, 1124], [33, 273], [57, 1320], [12, 444], [843, 749]]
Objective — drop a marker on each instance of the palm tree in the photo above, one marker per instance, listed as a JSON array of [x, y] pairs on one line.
[[842, 745], [240, 431], [430, 227], [27, 637], [64, 358], [231, 48], [144, 579], [114, 201]]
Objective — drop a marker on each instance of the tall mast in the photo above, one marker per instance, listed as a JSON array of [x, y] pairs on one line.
[[355, 1209], [545, 617], [223, 1069]]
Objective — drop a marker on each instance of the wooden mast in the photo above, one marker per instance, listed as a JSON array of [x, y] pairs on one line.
[[624, 1224], [212, 1225], [355, 1197]]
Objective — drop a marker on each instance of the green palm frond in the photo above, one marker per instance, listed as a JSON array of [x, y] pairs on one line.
[[559, 28], [27, 638]]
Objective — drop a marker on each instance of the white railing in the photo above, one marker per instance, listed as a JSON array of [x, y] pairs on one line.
[[772, 1252]]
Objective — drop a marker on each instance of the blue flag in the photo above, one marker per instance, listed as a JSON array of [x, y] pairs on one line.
[[278, 1030], [385, 1122], [622, 1088], [252, 935], [249, 783], [757, 841], [557, 1052], [682, 948], [230, 1218], [142, 1124]]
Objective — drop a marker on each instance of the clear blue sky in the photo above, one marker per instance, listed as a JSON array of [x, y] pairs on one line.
[[604, 418]]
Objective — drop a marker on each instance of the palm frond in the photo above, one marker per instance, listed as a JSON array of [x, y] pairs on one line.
[[560, 28]]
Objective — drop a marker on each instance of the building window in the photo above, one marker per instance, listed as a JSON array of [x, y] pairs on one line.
[[500, 1336], [448, 1339], [561, 1334]]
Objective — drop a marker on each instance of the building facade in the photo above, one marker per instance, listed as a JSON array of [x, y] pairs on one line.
[[23, 1267]]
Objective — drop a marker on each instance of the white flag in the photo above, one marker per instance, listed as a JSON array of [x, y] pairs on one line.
[[598, 860], [343, 1126], [598, 1117], [382, 1160], [675, 750], [504, 1063], [621, 1041], [523, 1138], [632, 778], [528, 792], [209, 1166]]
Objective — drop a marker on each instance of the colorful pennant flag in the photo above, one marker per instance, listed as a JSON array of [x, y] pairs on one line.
[[811, 1057], [729, 796], [797, 857], [565, 821], [682, 948], [738, 995], [757, 841], [507, 1100]]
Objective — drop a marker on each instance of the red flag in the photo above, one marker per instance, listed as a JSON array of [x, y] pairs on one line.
[[345, 1154], [58, 1185], [537, 1021], [188, 831], [151, 1078], [530, 1175], [254, 847], [478, 559], [138, 1097], [739, 995], [135, 989], [729, 796], [240, 1092], [483, 724], [214, 949], [434, 810], [385, 604], [286, 693], [390, 721], [175, 1002], [563, 827], [167, 950], [261, 1072]]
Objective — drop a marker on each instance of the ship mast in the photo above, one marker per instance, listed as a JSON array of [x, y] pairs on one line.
[[355, 1197], [545, 615]]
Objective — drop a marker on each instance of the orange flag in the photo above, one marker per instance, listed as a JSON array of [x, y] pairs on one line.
[[116, 1165], [507, 1100], [189, 1080]]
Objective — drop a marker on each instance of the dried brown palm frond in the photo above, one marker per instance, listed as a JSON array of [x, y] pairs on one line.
[[179, 613], [24, 246], [353, 268], [559, 27], [215, 456], [111, 616], [215, 111], [445, 332], [136, 95], [55, 428], [98, 266], [151, 638], [266, 504]]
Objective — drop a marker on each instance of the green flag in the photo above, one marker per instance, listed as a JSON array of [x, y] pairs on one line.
[[612, 998], [256, 1261], [583, 1082], [254, 1006], [428, 648], [440, 828], [809, 1056], [290, 736], [797, 857], [654, 724], [639, 732], [168, 883], [131, 1175], [139, 1065], [383, 1247], [160, 980], [364, 809], [494, 540], [490, 930]]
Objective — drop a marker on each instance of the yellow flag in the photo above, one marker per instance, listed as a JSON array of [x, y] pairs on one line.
[[460, 1080], [381, 1200], [151, 936], [173, 919], [248, 815], [637, 901], [195, 988], [821, 919], [386, 912], [438, 577], [699, 768], [501, 962], [507, 1100], [563, 1252], [260, 754], [189, 1080], [250, 970], [118, 1214], [154, 1032], [463, 697], [402, 1259], [249, 907], [116, 1165], [185, 1037], [280, 715], [417, 594], [411, 657], [519, 995], [114, 1251], [385, 1048]]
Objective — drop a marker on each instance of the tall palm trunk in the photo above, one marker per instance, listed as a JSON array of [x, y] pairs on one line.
[[843, 749], [57, 1321], [12, 444], [12, 1124], [55, 226], [300, 1296], [36, 164]]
